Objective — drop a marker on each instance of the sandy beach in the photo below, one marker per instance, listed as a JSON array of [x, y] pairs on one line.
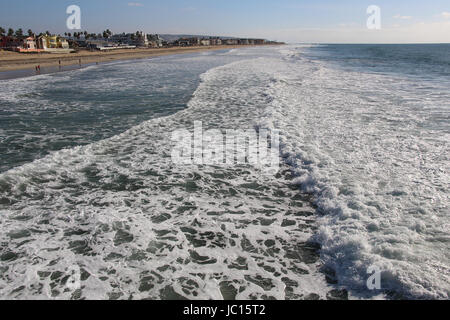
[[12, 61]]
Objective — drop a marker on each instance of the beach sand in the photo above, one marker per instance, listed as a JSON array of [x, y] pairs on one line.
[[13, 61]]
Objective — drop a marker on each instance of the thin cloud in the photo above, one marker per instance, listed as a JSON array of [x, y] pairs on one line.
[[135, 4], [398, 16], [445, 14]]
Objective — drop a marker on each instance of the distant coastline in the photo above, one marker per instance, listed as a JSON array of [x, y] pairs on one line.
[[13, 61]]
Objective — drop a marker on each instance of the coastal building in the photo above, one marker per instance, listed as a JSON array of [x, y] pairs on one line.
[[55, 44], [231, 42], [141, 39], [96, 44], [104, 45], [182, 43], [188, 42], [155, 41], [215, 41], [25, 45], [28, 45], [77, 42], [138, 39], [122, 38], [205, 42]]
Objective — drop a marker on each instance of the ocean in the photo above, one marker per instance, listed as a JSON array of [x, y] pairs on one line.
[[92, 205]]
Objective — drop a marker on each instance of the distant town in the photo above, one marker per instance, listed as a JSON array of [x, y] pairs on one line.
[[30, 42]]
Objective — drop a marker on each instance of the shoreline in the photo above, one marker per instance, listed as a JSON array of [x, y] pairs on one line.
[[13, 61]]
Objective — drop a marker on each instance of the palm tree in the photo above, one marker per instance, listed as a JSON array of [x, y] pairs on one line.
[[10, 32], [2, 32], [19, 33], [30, 33]]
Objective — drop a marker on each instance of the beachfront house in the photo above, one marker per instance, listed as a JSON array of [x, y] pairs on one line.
[[183, 42], [77, 43], [96, 44], [188, 42], [215, 41], [155, 41], [231, 42], [141, 39], [138, 39], [27, 45], [205, 42], [55, 44], [104, 45]]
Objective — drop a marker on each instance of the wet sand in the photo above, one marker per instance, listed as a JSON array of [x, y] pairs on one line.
[[13, 61]]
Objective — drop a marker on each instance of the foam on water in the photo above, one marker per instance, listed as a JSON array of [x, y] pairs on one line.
[[46, 113], [369, 150], [373, 150], [137, 226]]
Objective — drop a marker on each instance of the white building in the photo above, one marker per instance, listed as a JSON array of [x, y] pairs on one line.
[[139, 39], [205, 42]]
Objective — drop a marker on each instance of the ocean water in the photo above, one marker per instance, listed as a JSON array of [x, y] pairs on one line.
[[93, 207]]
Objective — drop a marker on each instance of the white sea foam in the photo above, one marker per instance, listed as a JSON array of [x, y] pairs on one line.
[[137, 226], [364, 146]]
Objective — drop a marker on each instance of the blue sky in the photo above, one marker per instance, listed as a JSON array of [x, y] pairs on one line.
[[287, 20]]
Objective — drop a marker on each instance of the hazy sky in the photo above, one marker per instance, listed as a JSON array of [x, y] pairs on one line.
[[286, 20]]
